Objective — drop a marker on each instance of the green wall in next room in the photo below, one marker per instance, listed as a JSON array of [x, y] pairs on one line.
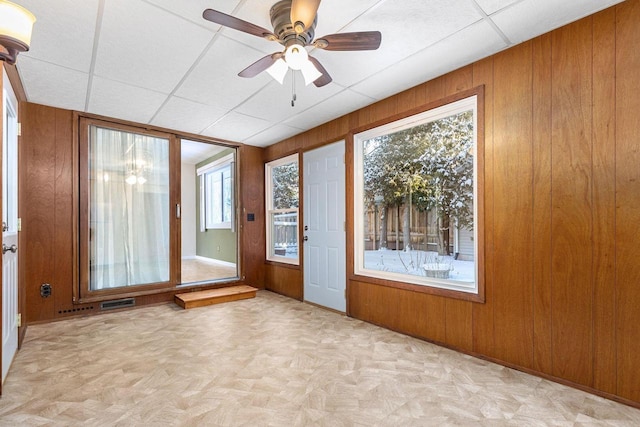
[[220, 244]]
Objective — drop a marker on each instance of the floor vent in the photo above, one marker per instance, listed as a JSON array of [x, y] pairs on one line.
[[119, 303]]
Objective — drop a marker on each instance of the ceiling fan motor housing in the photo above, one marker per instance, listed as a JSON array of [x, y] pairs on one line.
[[283, 27]]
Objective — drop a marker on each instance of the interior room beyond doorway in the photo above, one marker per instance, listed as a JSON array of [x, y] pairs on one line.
[[209, 237]]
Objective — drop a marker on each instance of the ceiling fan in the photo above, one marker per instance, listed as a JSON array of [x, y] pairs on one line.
[[294, 23]]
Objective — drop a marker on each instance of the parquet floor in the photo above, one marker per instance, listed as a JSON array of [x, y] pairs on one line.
[[270, 361]]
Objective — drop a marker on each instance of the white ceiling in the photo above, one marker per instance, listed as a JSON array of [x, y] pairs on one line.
[[159, 62], [192, 152]]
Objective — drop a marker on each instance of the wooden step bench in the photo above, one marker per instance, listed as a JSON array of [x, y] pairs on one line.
[[214, 296]]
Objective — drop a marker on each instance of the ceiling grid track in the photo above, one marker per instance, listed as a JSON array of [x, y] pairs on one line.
[[94, 52], [489, 21], [193, 67]]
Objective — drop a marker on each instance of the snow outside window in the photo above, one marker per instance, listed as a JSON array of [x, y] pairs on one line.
[[282, 196], [415, 207]]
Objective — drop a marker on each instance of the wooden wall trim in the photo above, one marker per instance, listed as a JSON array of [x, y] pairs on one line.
[[16, 82]]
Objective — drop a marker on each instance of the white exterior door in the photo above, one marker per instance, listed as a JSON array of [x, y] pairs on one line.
[[9, 227], [324, 227]]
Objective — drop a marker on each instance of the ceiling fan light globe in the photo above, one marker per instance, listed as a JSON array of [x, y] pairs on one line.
[[310, 73], [296, 56], [278, 70]]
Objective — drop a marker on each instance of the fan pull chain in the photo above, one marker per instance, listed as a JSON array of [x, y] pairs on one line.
[[293, 89]]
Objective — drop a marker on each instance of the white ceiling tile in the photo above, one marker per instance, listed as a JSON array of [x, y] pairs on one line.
[[64, 31], [121, 101], [531, 18], [215, 80], [475, 42], [236, 127], [192, 9], [405, 31], [336, 106], [186, 115], [193, 152], [348, 68], [273, 103], [492, 6], [146, 46], [415, 24], [272, 135], [50, 84], [333, 15]]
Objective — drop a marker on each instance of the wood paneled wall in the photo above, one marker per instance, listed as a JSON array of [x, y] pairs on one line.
[[252, 199], [562, 209], [47, 206]]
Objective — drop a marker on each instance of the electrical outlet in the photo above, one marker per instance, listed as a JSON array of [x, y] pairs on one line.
[[45, 290]]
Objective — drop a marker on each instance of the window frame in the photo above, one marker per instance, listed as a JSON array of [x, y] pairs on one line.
[[216, 166], [82, 293], [434, 111], [269, 211]]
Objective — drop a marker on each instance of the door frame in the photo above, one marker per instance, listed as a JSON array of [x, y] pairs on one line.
[[9, 100], [304, 216]]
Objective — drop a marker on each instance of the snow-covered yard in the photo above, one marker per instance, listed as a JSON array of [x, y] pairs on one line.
[[412, 262]]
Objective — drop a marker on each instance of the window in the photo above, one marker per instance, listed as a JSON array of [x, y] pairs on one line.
[[282, 193], [216, 194], [416, 211]]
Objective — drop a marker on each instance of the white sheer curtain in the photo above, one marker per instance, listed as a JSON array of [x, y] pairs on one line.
[[129, 209]]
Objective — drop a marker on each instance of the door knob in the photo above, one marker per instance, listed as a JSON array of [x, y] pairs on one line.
[[305, 238], [12, 248]]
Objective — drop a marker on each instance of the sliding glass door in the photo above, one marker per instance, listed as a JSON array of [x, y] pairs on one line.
[[128, 210]]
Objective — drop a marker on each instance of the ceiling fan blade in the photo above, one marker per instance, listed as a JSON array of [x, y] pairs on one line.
[[237, 24], [325, 79], [364, 40], [260, 65], [303, 11]]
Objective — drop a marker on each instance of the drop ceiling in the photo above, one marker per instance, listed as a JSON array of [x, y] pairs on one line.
[[159, 62]]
